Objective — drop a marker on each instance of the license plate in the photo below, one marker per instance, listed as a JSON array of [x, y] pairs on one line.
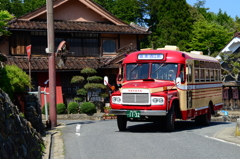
[[133, 114]]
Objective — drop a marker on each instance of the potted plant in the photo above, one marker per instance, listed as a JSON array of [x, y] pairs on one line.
[[106, 109]]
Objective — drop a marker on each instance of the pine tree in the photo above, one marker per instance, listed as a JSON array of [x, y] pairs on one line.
[[93, 85], [171, 22]]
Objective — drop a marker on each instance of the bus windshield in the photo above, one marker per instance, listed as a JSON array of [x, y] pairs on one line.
[[160, 71], [137, 71], [164, 71]]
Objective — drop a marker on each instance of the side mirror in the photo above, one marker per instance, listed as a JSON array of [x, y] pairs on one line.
[[105, 80], [178, 81]]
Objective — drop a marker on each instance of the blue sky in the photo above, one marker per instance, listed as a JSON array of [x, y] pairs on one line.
[[230, 6]]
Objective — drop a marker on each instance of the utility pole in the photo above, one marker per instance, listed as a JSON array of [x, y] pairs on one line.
[[51, 64]]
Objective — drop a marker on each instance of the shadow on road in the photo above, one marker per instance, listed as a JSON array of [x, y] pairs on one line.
[[179, 126], [81, 122]]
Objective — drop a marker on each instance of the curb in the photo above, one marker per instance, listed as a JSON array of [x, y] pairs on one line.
[[228, 135], [48, 143]]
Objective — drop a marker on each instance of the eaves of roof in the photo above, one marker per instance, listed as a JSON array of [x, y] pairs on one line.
[[96, 27], [39, 64]]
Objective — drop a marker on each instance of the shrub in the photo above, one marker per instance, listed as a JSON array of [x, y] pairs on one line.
[[61, 108], [73, 107], [43, 109], [88, 108], [78, 99]]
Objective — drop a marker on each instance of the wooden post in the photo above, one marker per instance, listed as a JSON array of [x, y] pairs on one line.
[[51, 63]]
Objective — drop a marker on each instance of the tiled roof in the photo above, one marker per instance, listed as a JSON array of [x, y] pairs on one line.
[[75, 26], [72, 63]]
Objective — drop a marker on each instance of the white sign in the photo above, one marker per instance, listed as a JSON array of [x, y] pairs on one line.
[[150, 56]]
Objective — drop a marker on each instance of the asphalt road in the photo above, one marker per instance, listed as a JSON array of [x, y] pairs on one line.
[[102, 140]]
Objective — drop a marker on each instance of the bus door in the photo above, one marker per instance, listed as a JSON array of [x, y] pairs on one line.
[[189, 91]]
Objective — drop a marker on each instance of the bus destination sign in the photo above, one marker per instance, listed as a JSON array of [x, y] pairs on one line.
[[150, 56]]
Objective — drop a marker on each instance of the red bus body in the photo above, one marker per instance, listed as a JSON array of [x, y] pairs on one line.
[[155, 98]]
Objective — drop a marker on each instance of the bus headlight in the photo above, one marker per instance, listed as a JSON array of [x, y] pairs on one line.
[[157, 100], [116, 100]]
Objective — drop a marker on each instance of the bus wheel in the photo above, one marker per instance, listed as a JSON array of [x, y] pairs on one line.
[[170, 119], [122, 122], [206, 118]]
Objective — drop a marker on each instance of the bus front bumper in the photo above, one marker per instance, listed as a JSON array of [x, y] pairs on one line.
[[142, 112]]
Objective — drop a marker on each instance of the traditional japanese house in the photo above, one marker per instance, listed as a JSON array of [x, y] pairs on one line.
[[231, 91], [97, 39]]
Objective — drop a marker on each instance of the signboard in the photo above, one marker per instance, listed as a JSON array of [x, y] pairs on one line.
[[150, 56], [29, 51]]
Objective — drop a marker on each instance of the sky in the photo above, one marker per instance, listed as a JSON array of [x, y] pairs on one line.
[[230, 6]]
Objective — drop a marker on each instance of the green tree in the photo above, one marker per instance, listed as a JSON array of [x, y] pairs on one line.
[[208, 37], [20, 7], [170, 22], [92, 87], [16, 8], [5, 16], [200, 6], [4, 5], [13, 80], [237, 24], [106, 4], [225, 20], [30, 5], [126, 10]]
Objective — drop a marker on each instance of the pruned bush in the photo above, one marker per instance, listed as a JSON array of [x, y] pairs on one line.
[[88, 108], [73, 108], [43, 108], [61, 108]]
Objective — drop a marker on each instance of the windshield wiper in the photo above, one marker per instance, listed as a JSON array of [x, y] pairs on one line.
[[158, 68], [133, 69]]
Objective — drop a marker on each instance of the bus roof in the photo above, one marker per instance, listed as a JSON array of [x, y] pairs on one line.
[[169, 56]]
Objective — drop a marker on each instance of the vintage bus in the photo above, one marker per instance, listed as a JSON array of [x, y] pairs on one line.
[[167, 84]]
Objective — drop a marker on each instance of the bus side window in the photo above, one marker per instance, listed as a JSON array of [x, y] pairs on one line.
[[196, 75], [182, 73], [189, 73]]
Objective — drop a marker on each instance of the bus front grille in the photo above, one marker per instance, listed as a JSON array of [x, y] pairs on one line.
[[135, 98]]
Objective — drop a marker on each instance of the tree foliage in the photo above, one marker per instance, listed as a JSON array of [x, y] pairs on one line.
[[20, 7], [208, 37], [170, 21], [5, 16], [126, 10], [92, 85], [13, 80]]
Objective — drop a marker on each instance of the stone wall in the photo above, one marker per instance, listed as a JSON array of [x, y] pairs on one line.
[[18, 138]]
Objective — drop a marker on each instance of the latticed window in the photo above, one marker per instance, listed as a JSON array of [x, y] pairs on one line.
[[81, 44]]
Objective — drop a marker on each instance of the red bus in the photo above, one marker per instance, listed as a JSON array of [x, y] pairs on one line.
[[165, 85]]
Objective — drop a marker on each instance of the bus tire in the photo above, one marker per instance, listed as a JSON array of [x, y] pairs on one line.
[[122, 122], [206, 118], [170, 119]]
